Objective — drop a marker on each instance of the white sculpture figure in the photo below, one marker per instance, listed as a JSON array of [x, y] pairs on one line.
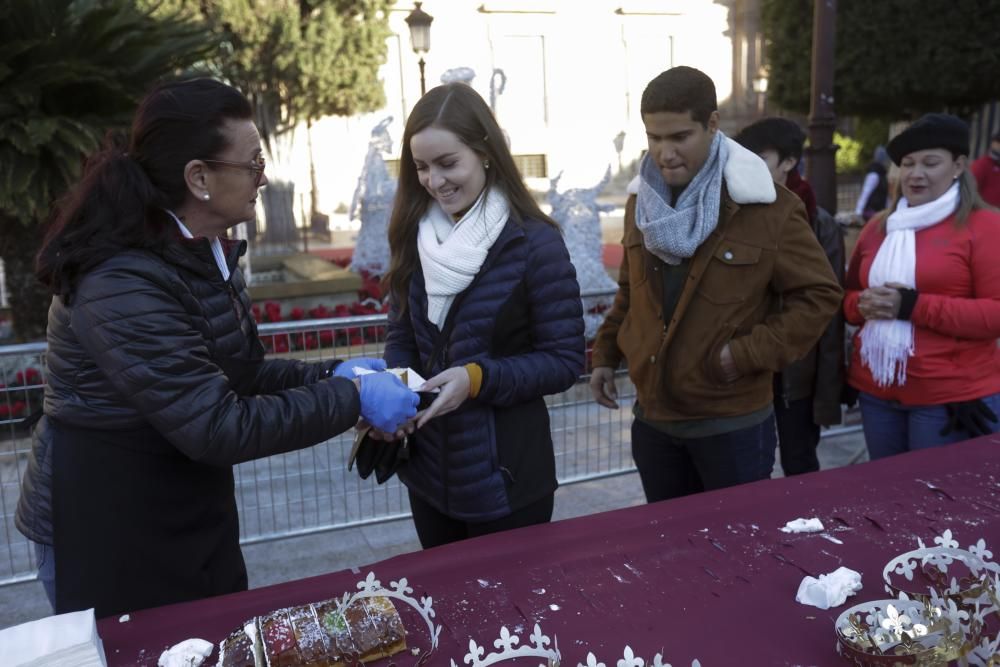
[[372, 203], [498, 83], [460, 74], [578, 213]]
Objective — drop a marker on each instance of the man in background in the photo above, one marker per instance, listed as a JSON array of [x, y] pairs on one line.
[[986, 170], [874, 195], [807, 392]]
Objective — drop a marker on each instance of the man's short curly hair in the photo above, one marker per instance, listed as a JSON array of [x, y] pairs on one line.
[[681, 89]]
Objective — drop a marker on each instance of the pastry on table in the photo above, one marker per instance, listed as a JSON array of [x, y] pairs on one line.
[[241, 648], [317, 635], [281, 647], [367, 630]]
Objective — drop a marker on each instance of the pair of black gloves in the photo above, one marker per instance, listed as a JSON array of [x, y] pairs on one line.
[[973, 417]]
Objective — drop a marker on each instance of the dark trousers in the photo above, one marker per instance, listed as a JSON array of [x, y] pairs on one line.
[[435, 528], [672, 467], [798, 436]]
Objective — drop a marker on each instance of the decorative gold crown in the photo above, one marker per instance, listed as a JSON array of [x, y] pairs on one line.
[[548, 650], [540, 646], [963, 574], [948, 622], [370, 587]]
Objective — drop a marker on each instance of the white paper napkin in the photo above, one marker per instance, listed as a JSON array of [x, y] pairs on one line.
[[408, 375], [812, 525], [54, 641], [830, 590]]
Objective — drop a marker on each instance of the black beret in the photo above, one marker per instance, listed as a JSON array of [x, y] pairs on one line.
[[934, 130]]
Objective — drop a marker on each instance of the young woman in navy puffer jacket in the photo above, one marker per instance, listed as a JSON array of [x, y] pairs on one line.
[[486, 304]]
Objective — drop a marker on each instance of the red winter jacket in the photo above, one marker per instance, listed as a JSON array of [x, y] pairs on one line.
[[956, 319]]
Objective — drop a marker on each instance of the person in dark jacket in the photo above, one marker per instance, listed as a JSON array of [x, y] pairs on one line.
[[806, 392], [157, 380], [986, 171], [485, 304], [874, 195]]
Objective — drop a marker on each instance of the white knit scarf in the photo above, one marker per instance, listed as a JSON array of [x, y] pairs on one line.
[[451, 253], [887, 344]]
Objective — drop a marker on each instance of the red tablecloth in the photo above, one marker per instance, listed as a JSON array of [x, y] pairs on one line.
[[707, 576]]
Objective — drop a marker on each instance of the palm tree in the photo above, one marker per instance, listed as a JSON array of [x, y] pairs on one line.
[[70, 70]]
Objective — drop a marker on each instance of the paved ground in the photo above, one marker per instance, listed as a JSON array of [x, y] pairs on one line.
[[294, 558]]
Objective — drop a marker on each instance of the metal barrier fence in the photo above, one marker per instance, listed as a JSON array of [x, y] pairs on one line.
[[310, 490]]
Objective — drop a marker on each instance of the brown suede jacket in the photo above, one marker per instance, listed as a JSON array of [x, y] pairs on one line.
[[759, 255]]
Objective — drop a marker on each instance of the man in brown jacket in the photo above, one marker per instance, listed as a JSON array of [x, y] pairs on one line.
[[722, 284]]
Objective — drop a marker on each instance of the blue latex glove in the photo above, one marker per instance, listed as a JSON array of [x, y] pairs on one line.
[[345, 369], [387, 403]]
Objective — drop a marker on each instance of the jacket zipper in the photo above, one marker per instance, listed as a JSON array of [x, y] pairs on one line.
[[445, 348]]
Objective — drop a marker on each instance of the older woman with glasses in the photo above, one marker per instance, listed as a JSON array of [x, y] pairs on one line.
[[157, 379]]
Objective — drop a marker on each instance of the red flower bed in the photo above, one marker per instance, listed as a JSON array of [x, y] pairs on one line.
[[22, 396], [14, 410], [366, 305], [369, 303]]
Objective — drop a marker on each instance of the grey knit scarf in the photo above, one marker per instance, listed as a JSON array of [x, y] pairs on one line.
[[673, 233]]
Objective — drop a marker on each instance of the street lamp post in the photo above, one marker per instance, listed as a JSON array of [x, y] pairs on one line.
[[760, 90], [420, 37], [821, 169]]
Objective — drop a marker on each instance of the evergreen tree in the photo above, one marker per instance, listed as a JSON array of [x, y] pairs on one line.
[[69, 72], [894, 58], [297, 61]]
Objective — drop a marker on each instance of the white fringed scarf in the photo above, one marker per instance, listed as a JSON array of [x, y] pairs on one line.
[[887, 344], [451, 253]]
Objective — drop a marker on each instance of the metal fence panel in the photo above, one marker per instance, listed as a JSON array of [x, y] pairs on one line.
[[311, 489], [22, 373]]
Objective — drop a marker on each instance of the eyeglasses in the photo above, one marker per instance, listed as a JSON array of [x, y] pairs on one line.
[[257, 167]]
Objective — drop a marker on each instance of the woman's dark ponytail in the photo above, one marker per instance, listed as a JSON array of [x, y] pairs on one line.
[[114, 206]]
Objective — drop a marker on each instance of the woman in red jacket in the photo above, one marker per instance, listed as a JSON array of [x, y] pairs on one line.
[[924, 284]]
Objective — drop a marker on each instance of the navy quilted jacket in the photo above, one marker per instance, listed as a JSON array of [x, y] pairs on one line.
[[521, 320]]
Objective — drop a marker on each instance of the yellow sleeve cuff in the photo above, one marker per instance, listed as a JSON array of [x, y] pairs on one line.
[[475, 378]]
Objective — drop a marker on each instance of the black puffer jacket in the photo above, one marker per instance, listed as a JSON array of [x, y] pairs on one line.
[[161, 341], [820, 374]]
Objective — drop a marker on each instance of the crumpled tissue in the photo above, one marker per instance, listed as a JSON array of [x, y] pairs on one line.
[[812, 525], [188, 653], [830, 590]]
